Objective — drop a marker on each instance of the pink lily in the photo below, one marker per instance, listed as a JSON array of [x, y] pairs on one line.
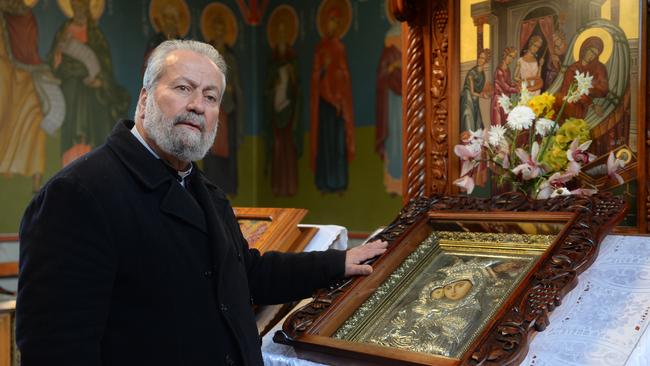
[[529, 168], [613, 164], [468, 154], [466, 183], [577, 155]]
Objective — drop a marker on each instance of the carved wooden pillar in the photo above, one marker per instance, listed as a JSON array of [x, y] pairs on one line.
[[441, 34], [425, 31], [413, 90], [645, 76]]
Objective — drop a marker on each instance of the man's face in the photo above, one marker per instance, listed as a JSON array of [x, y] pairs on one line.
[[182, 110]]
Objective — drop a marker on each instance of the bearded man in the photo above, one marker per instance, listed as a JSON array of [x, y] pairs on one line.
[[130, 256]]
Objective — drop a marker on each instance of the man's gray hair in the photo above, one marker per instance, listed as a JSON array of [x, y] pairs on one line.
[[155, 65]]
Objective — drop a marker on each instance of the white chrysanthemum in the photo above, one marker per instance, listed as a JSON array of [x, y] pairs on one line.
[[505, 103], [524, 95], [584, 83], [544, 126], [520, 118], [496, 135]]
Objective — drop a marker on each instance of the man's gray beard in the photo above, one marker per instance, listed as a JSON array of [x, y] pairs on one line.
[[178, 142]]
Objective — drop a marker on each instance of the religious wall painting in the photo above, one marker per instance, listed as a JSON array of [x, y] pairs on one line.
[[219, 28], [542, 45], [170, 19], [30, 96], [283, 103], [80, 57], [332, 144], [388, 140]]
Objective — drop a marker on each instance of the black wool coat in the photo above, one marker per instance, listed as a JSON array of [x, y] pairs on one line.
[[120, 265]]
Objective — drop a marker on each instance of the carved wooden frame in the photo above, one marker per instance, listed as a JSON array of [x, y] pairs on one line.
[[283, 233], [506, 342], [430, 31]]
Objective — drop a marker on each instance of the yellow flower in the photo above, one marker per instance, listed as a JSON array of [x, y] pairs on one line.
[[542, 105], [556, 158], [573, 128]]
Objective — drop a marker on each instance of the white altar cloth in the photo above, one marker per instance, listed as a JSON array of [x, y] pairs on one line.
[[603, 321]]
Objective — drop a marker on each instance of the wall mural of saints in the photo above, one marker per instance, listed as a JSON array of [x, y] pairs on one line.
[[170, 19], [81, 59], [543, 45], [388, 140], [331, 107], [284, 132], [30, 97], [219, 28]]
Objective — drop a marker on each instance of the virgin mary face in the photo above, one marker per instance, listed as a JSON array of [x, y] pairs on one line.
[[590, 54], [457, 290]]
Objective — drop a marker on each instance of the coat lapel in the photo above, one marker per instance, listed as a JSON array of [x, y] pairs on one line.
[[179, 203], [213, 206]]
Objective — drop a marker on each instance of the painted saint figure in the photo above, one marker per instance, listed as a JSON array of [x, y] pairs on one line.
[[80, 57], [388, 140], [284, 134], [332, 115], [555, 63], [474, 87], [26, 114], [529, 66], [219, 28], [589, 62], [503, 85]]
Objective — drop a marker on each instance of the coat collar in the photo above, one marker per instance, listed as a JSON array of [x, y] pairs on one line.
[[153, 174]]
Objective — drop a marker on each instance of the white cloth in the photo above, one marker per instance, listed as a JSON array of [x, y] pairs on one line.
[[604, 320], [327, 237]]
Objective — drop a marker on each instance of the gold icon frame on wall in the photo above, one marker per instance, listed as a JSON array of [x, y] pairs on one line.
[[282, 15], [209, 17], [156, 7], [96, 8]]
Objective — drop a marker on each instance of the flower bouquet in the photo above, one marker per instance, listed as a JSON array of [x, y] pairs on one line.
[[532, 152]]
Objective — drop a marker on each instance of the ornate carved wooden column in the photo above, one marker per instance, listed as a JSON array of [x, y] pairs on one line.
[[426, 33], [645, 73]]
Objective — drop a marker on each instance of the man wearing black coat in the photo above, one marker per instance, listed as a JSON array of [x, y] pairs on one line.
[[130, 256]]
